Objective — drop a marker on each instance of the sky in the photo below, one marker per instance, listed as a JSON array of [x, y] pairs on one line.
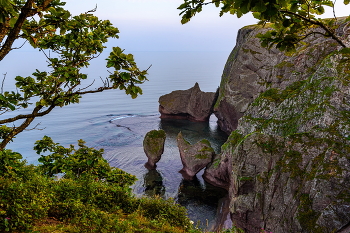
[[154, 25]]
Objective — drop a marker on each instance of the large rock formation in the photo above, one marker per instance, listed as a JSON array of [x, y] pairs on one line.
[[153, 145], [287, 164], [194, 157], [252, 69], [192, 104]]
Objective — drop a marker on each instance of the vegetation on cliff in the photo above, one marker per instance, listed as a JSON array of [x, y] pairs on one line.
[[290, 154], [288, 161]]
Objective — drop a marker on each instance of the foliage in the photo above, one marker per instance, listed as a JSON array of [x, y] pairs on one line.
[[168, 211], [75, 163], [69, 44], [10, 163], [293, 20], [84, 199]]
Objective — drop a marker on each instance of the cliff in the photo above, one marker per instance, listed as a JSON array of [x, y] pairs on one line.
[[287, 160]]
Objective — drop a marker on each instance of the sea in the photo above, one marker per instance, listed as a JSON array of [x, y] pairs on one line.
[[117, 123]]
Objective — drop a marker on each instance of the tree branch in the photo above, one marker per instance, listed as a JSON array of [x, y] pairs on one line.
[[36, 110], [311, 33], [26, 11], [34, 114], [19, 129], [324, 27]]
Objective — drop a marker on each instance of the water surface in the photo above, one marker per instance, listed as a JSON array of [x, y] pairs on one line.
[[115, 122]]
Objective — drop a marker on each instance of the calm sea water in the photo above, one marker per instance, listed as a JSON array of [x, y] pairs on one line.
[[117, 123]]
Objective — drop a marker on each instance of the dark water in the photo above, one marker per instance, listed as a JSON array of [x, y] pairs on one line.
[[113, 121], [123, 149]]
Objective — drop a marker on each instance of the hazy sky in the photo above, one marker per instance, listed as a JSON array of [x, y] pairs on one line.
[[154, 25]]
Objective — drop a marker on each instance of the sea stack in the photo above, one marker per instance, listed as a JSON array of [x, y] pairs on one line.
[[194, 157], [153, 145], [192, 104]]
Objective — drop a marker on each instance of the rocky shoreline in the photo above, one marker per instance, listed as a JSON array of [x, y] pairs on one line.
[[286, 163]]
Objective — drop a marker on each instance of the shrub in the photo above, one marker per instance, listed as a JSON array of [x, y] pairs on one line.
[[90, 196], [74, 163]]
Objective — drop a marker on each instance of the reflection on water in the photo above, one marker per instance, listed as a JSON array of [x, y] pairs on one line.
[[194, 131], [201, 200], [153, 183]]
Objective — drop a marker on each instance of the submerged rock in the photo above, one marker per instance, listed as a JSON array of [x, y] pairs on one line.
[[194, 157], [192, 104], [153, 145]]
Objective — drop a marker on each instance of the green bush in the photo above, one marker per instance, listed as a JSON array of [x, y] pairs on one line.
[[74, 163], [23, 201], [89, 196], [11, 164], [164, 211]]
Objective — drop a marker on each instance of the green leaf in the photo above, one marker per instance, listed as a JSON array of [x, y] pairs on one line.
[[12, 107], [260, 6], [2, 97], [183, 5], [130, 57], [294, 7], [2, 18]]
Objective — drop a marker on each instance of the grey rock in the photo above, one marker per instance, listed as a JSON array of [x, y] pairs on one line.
[[153, 145], [218, 172], [287, 162], [194, 157], [192, 104], [252, 69]]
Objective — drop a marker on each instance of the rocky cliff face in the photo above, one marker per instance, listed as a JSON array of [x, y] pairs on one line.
[[251, 70], [287, 160]]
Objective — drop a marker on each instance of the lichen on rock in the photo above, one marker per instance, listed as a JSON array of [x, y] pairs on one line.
[[194, 157], [153, 145], [287, 160]]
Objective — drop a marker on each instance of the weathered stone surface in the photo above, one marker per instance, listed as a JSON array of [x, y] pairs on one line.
[[192, 104], [153, 145], [287, 165], [218, 172], [194, 157], [252, 69]]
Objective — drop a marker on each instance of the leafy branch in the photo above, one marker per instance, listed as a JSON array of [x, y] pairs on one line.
[[74, 41], [291, 19]]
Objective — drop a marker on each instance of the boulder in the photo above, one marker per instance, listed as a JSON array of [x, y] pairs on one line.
[[194, 157], [153, 145], [191, 104]]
